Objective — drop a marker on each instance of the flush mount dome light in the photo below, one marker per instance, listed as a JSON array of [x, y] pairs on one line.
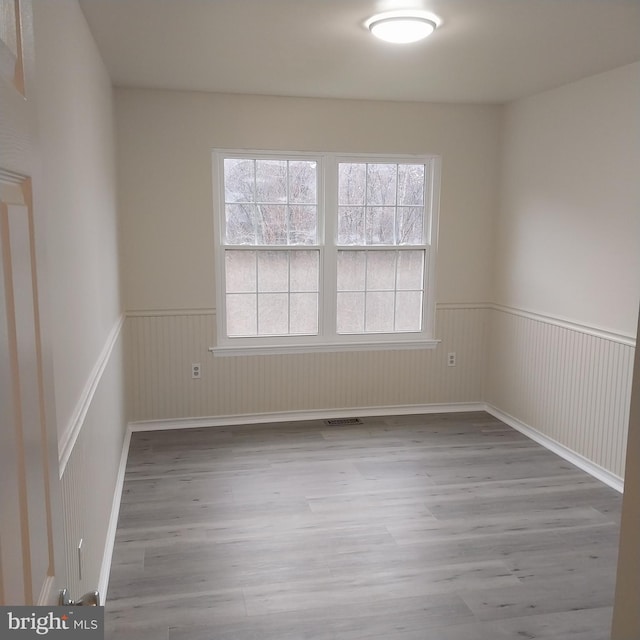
[[401, 28]]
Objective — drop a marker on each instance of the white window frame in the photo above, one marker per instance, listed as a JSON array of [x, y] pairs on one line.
[[327, 338]]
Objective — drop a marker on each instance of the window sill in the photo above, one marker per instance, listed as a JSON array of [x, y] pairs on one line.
[[280, 349]]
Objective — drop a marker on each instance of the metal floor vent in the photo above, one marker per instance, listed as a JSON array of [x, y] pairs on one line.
[[341, 422]]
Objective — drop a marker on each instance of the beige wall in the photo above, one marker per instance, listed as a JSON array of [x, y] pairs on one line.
[[78, 196], [78, 151], [567, 248], [568, 232], [165, 141]]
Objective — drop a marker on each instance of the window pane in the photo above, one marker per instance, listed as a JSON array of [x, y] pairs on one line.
[[409, 311], [271, 180], [303, 181], [304, 313], [241, 314], [381, 184], [351, 270], [240, 224], [272, 208], [409, 221], [273, 314], [239, 180], [273, 271], [410, 270], [379, 225], [379, 316], [411, 184], [381, 270], [351, 182], [351, 225], [350, 313], [303, 224], [304, 269], [272, 224], [240, 270]]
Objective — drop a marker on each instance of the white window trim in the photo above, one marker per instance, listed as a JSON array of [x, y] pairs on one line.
[[324, 342]]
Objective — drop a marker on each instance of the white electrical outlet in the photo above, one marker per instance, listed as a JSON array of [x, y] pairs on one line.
[[195, 370], [451, 359]]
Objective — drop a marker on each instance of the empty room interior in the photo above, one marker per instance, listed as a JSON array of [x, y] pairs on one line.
[[341, 332]]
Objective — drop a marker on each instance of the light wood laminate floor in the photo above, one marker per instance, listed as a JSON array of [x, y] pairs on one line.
[[441, 527]]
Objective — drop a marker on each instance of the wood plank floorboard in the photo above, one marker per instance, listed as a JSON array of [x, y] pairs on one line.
[[440, 527]]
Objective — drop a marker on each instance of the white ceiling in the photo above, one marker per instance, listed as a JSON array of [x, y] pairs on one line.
[[484, 51]]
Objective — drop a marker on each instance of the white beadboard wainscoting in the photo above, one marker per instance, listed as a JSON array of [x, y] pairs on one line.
[[563, 384], [566, 385], [162, 346], [90, 473]]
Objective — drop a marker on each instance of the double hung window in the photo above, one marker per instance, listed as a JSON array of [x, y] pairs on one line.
[[324, 252]]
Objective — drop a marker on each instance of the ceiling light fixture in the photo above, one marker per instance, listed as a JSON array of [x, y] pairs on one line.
[[401, 27]]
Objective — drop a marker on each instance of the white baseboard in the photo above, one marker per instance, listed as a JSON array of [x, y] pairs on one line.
[[608, 478], [298, 416], [105, 568]]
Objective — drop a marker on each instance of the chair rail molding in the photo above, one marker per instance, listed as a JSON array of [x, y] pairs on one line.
[[70, 434]]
